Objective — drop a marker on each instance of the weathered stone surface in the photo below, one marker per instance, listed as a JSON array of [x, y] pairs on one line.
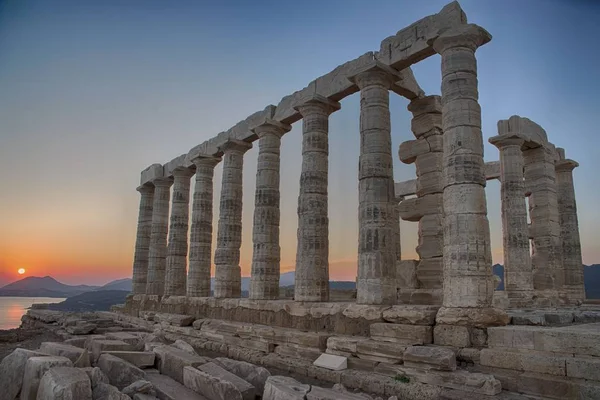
[[414, 209], [410, 315], [84, 360], [157, 254], [451, 335], [477, 317], [247, 390], [96, 375], [171, 361], [319, 393], [174, 319], [332, 362], [169, 389], [128, 337], [81, 329], [59, 349], [77, 342], [209, 386], [406, 334], [35, 368], [102, 345], [142, 240], [64, 383], [525, 360], [120, 373], [141, 386], [182, 345], [253, 374], [406, 278], [144, 396], [375, 350], [141, 359], [424, 357], [284, 388], [151, 173], [585, 368], [104, 391]]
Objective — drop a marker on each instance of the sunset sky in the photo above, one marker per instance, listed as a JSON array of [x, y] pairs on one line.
[[92, 92]]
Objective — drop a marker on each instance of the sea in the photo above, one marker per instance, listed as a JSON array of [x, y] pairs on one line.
[[13, 308]]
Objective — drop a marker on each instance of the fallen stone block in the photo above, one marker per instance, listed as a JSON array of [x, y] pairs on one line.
[[96, 375], [284, 388], [182, 345], [169, 389], [143, 396], [127, 337], [12, 368], [89, 339], [104, 391], [64, 383], [81, 329], [296, 351], [174, 319], [247, 390], [332, 362], [171, 361], [84, 360], [400, 333], [64, 350], [253, 374], [211, 387], [35, 368], [120, 373], [319, 393], [379, 351], [439, 358], [141, 359], [141, 386], [100, 346], [77, 342]]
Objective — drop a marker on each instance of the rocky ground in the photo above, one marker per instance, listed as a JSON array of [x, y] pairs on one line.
[[24, 338]]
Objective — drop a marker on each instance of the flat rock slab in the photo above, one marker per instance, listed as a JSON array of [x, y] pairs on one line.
[[60, 349], [126, 337], [171, 361], [77, 342], [141, 359], [211, 387], [284, 388], [83, 328], [174, 319], [169, 389], [319, 393], [65, 383], [104, 391], [102, 345], [120, 373], [253, 374], [12, 368], [424, 357], [247, 390], [332, 362], [35, 368]]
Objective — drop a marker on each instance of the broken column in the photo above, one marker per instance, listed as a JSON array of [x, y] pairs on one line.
[[142, 240], [266, 256], [176, 274], [573, 289], [229, 237], [518, 278], [198, 284], [468, 279], [312, 253], [158, 237], [376, 281]]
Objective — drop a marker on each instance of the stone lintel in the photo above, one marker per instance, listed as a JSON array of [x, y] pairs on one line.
[[407, 86], [316, 98], [566, 165], [163, 181], [508, 139], [524, 126], [149, 174], [405, 188], [235, 145], [426, 105], [146, 187], [376, 66], [204, 159], [208, 148], [177, 164], [243, 129], [269, 125], [468, 35]]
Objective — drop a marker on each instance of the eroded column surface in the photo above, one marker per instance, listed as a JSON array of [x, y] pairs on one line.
[[198, 284], [142, 240], [176, 275], [377, 247], [158, 237], [545, 230], [266, 256], [573, 289], [229, 237], [312, 253], [468, 279], [518, 278]]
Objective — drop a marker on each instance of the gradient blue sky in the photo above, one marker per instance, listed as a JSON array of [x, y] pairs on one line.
[[92, 92]]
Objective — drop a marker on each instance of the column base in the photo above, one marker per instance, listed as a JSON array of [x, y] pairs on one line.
[[478, 317]]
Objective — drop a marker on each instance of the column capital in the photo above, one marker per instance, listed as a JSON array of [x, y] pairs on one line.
[[426, 105], [566, 165], [269, 126], [182, 172], [509, 140], [470, 36], [307, 105], [162, 182], [203, 160], [145, 189], [235, 146], [375, 73]]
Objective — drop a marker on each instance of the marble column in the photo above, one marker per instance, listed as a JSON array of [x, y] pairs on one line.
[[573, 289], [545, 230], [377, 247], [158, 236], [266, 256], [202, 228], [176, 274], [468, 284], [518, 278], [312, 253], [228, 278], [142, 240]]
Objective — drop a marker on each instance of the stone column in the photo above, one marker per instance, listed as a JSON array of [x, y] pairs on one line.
[[142, 240], [201, 230], [264, 281], [312, 253], [573, 289], [468, 279], [158, 237], [545, 230], [228, 278], [176, 279], [377, 248], [518, 278]]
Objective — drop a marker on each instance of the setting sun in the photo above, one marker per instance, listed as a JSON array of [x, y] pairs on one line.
[[21, 271]]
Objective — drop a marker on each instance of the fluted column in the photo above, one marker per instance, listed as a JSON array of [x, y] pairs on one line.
[[175, 277], [468, 279], [202, 229], [158, 237], [377, 247], [312, 252], [573, 289], [266, 256], [518, 282], [142, 240], [228, 278]]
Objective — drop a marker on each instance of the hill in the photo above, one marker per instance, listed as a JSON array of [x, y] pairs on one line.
[[47, 286], [120, 284], [98, 300]]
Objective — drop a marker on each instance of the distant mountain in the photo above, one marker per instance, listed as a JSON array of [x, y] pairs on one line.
[[47, 286], [120, 284], [97, 300]]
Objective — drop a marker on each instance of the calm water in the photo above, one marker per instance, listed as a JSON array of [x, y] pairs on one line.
[[12, 308]]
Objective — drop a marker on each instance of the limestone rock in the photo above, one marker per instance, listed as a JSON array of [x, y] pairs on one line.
[[120, 373], [284, 388], [77, 342], [12, 368], [182, 345], [134, 340], [64, 383], [246, 389], [141, 386], [104, 391], [332, 362], [451, 335], [141, 359], [171, 361], [100, 346], [35, 368], [81, 329], [210, 386], [96, 375], [253, 374], [406, 334], [84, 360], [411, 315], [59, 349], [424, 357], [143, 396], [169, 389], [319, 393], [477, 317], [198, 323]]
